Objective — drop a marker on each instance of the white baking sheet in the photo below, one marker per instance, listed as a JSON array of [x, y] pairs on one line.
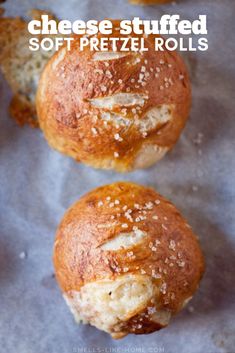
[[38, 184]]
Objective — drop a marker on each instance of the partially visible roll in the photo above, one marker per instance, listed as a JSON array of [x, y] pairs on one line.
[[126, 260], [114, 110], [148, 2]]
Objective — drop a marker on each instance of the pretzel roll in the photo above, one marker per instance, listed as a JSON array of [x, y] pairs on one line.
[[148, 2], [126, 260], [114, 109]]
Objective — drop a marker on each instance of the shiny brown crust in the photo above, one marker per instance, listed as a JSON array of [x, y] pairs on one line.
[[72, 125], [171, 254]]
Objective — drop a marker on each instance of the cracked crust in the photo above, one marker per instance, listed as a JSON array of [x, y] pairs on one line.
[[94, 109], [168, 254]]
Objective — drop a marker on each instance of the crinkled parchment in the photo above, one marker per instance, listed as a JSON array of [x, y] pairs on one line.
[[38, 184]]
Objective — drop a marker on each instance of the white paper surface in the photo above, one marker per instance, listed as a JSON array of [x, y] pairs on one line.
[[38, 184]]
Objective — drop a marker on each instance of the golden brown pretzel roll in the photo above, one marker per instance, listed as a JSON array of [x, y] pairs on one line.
[[114, 110], [126, 260]]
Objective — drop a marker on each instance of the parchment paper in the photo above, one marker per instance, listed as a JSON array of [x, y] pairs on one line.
[[38, 184]]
